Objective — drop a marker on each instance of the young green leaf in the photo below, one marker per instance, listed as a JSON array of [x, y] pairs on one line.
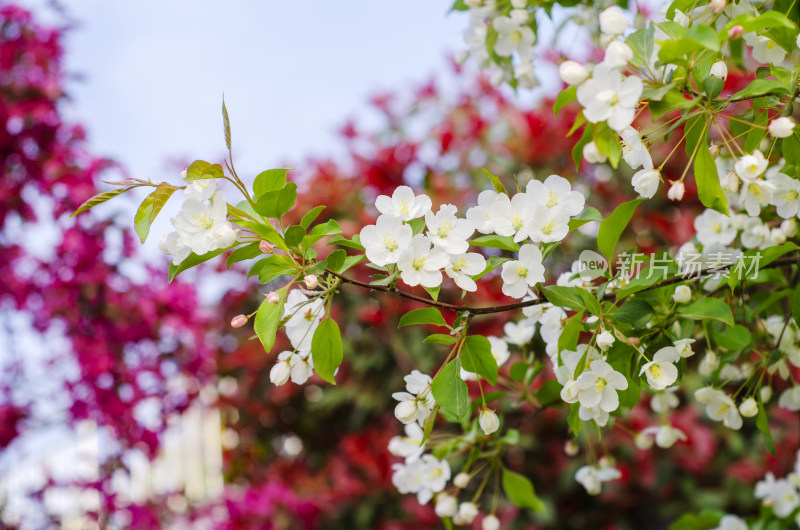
[[99, 199], [242, 253], [450, 391], [476, 357], [326, 349], [498, 186], [611, 227], [269, 180], [150, 207], [426, 315], [565, 96], [519, 490], [193, 260], [439, 338], [712, 308], [277, 203], [495, 241], [268, 319], [311, 216], [226, 124]]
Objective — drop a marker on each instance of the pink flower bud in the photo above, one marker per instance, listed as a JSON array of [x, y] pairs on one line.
[[718, 6], [265, 247], [676, 191], [311, 281], [238, 321], [736, 32], [273, 297]]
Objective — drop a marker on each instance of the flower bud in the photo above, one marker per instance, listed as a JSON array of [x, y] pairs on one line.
[[266, 247], [748, 408], [789, 228], [718, 6], [238, 321], [488, 421], [592, 154], [766, 394], [573, 72], [709, 363], [461, 480], [682, 294], [736, 32], [777, 236], [519, 4], [406, 411], [618, 54], [645, 182], [605, 340], [613, 21], [571, 448], [714, 150], [719, 69], [490, 522], [311, 281], [273, 298], [279, 374], [446, 505], [467, 512], [570, 392], [729, 182], [643, 441], [782, 127], [607, 461], [675, 192], [185, 173]]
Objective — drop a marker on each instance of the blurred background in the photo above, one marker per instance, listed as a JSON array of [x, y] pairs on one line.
[[129, 402]]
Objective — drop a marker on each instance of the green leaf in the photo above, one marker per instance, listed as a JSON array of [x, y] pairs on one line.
[[277, 203], [707, 177], [433, 292], [439, 338], [193, 260], [759, 87], [549, 393], [708, 308], [268, 319], [636, 312], [495, 241], [642, 42], [713, 85], [734, 338], [519, 490], [226, 124], [476, 357], [150, 207], [498, 186], [271, 267], [426, 315], [269, 180], [705, 35], [242, 253], [351, 261], [763, 425], [450, 391], [200, 169], [607, 141], [588, 215], [328, 228], [572, 330], [796, 304], [311, 216], [99, 199], [336, 260], [611, 227], [562, 296], [491, 264], [326, 349], [671, 101], [344, 242], [294, 235], [565, 96], [574, 419]]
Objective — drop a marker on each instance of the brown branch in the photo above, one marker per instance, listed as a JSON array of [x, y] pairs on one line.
[[519, 305]]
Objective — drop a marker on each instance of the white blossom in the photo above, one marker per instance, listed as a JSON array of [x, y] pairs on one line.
[[748, 408], [719, 407], [682, 295], [172, 245], [661, 372], [790, 399], [204, 227], [479, 215], [385, 240], [610, 96], [714, 228], [446, 505], [448, 232], [572, 72], [645, 182], [518, 333], [605, 340], [618, 54], [420, 264], [592, 154], [598, 387], [512, 35], [664, 400], [403, 204], [409, 446], [613, 21], [684, 347], [780, 494], [462, 266], [467, 512], [490, 522], [634, 152], [786, 195], [782, 127], [719, 69], [750, 167], [765, 50], [676, 191], [488, 421], [509, 216], [592, 477], [731, 522], [556, 192], [423, 476], [519, 275], [665, 435]]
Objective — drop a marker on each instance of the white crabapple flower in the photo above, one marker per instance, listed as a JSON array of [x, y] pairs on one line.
[[423, 476], [592, 154], [556, 192], [305, 316], [292, 365], [463, 266], [593, 413], [665, 435], [386, 239], [566, 363], [645, 182], [719, 407], [467, 512], [446, 505], [592, 477], [684, 347], [665, 400], [512, 35], [420, 264], [782, 127], [719, 69], [613, 21], [417, 402], [714, 228], [661, 372], [204, 227], [598, 386], [610, 96], [403, 204], [756, 194], [510, 216], [790, 399], [765, 50], [634, 152], [676, 190], [618, 54], [479, 215], [786, 195], [490, 522], [448, 232], [731, 522], [780, 494], [172, 245], [546, 225], [409, 446], [488, 421], [605, 340], [521, 274], [519, 333], [573, 72], [200, 189], [750, 167]]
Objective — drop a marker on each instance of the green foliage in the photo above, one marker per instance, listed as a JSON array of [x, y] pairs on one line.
[[100, 199], [519, 490], [476, 357], [192, 260], [450, 391], [275, 204], [150, 208], [498, 186], [326, 349], [268, 319], [611, 227], [427, 315], [269, 180], [495, 241], [708, 308]]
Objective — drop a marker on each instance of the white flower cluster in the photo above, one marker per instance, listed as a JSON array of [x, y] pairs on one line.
[[423, 476], [540, 215], [781, 495], [596, 389], [515, 41], [788, 333], [417, 402], [592, 477], [305, 316], [201, 225]]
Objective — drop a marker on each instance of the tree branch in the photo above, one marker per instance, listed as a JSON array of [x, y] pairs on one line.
[[791, 260]]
